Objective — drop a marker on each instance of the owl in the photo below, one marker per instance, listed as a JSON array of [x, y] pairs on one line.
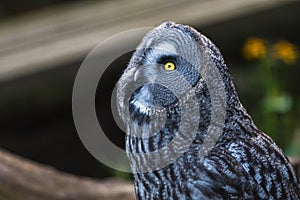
[[187, 134]]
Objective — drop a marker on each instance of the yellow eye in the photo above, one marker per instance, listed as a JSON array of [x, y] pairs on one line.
[[169, 66]]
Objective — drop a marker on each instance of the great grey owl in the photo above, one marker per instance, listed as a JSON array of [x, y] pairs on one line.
[[188, 135]]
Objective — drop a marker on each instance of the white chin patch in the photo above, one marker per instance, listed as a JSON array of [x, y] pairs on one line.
[[142, 100], [142, 108]]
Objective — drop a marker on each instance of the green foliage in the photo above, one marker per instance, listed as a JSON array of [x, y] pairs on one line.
[[275, 111]]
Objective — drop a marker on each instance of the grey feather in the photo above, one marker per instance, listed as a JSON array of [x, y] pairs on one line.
[[244, 163]]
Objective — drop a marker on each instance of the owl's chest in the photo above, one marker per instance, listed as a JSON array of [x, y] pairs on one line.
[[170, 182]]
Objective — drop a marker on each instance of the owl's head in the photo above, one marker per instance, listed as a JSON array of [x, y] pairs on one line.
[[175, 92], [170, 63]]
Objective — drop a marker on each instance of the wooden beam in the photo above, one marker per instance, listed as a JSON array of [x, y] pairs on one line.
[[58, 35]]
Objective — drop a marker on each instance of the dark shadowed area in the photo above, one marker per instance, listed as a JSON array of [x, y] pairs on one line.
[[36, 106]]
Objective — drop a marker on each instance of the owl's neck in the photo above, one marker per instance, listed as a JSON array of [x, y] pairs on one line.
[[182, 131], [143, 139]]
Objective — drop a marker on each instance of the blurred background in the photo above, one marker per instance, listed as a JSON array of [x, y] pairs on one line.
[[43, 43]]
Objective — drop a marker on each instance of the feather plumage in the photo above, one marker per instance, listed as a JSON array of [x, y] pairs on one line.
[[244, 163]]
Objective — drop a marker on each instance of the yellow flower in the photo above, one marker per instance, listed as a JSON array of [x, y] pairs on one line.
[[285, 51], [254, 48]]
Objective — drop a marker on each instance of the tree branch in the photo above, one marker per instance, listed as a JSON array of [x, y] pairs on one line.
[[23, 179]]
